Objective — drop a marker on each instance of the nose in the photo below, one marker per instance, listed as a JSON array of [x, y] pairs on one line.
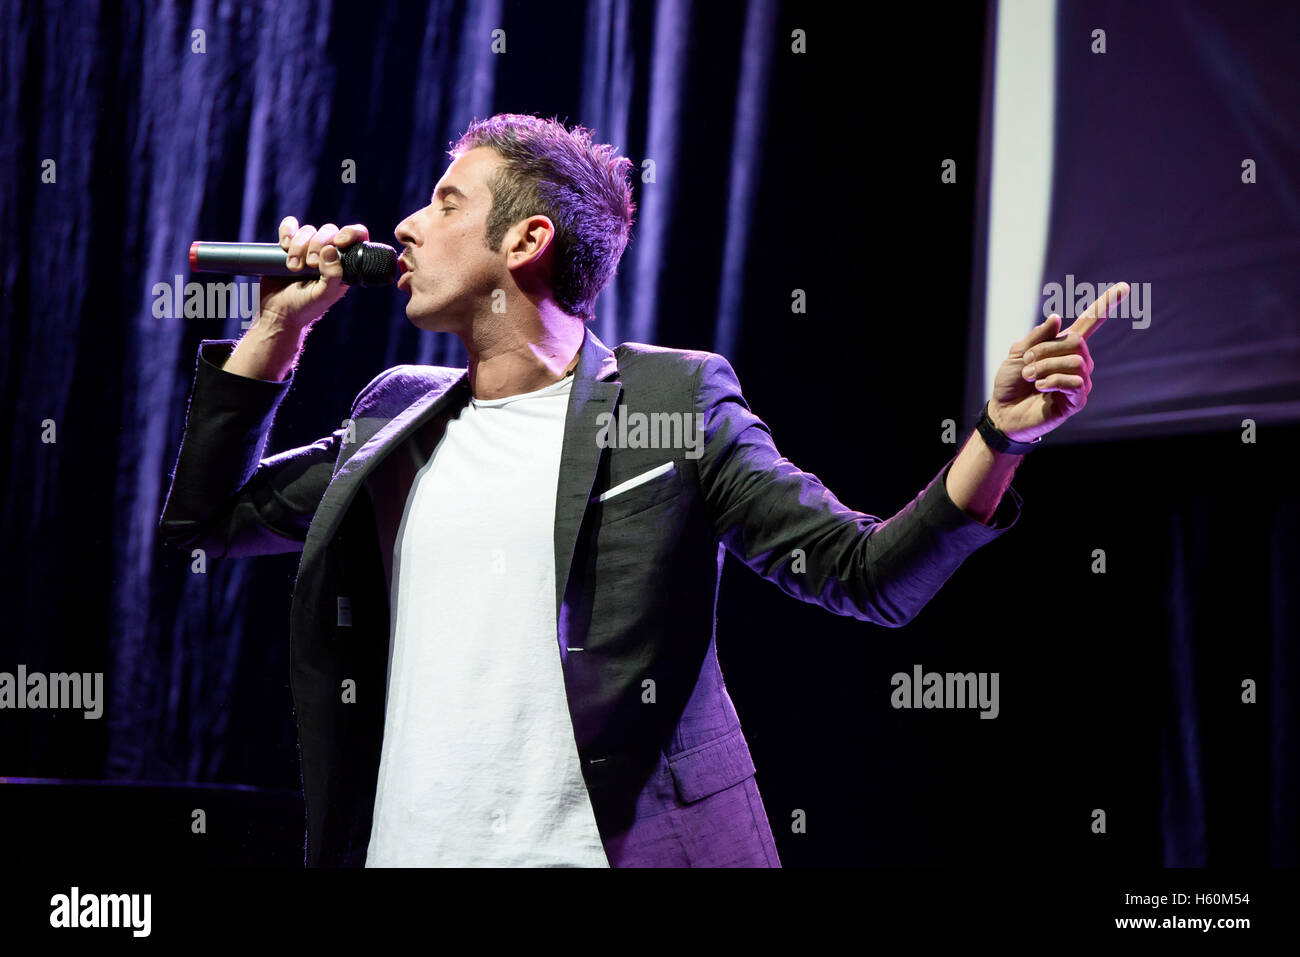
[[405, 231]]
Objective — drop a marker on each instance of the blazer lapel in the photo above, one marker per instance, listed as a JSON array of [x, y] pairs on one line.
[[352, 474], [596, 388]]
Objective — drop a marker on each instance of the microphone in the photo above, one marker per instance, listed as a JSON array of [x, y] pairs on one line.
[[364, 264]]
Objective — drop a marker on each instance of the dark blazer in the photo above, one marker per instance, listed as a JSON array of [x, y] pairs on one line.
[[666, 766]]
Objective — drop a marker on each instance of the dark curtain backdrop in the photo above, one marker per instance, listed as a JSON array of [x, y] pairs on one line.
[[773, 171], [1186, 93]]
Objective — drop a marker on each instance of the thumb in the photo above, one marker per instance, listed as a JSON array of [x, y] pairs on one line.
[[1044, 330], [330, 266]]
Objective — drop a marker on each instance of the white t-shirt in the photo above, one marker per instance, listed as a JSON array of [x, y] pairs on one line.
[[479, 765]]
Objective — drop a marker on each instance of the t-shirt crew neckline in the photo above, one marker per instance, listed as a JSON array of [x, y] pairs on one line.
[[551, 389]]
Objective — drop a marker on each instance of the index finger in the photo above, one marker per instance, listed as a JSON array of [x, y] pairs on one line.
[[288, 226], [1101, 308], [356, 233]]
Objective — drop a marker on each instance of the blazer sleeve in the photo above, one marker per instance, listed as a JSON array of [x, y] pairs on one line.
[[224, 497], [789, 528]]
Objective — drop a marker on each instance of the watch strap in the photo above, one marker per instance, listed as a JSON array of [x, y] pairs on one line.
[[998, 440]]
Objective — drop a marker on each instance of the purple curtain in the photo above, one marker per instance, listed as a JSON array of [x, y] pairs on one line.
[[1154, 139], [164, 123]]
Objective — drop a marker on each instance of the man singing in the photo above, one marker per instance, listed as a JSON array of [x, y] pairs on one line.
[[502, 637]]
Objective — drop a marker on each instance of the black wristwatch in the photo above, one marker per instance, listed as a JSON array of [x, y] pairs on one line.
[[997, 439]]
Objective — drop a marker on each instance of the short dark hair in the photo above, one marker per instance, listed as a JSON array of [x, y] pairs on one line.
[[582, 187]]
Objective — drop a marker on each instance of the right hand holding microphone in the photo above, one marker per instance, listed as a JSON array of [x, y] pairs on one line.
[[299, 303]]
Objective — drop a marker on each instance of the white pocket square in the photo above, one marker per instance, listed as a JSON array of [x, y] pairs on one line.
[[636, 480]]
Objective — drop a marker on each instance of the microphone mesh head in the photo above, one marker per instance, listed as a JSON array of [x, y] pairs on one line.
[[369, 264]]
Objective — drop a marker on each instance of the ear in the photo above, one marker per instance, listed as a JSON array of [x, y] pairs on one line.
[[529, 241]]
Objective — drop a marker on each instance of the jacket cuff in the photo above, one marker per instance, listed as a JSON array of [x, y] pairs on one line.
[[942, 512], [213, 354], [251, 402]]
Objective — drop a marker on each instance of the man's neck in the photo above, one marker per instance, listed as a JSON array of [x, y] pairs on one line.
[[507, 360]]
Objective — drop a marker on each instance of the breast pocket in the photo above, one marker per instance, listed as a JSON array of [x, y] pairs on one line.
[[637, 493]]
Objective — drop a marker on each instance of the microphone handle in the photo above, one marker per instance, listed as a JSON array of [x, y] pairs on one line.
[[268, 259]]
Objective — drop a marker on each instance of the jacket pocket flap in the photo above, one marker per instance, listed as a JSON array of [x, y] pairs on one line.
[[712, 766]]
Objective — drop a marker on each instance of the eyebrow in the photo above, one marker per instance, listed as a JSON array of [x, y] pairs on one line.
[[444, 191]]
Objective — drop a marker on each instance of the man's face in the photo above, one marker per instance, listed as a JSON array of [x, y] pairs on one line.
[[448, 270]]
